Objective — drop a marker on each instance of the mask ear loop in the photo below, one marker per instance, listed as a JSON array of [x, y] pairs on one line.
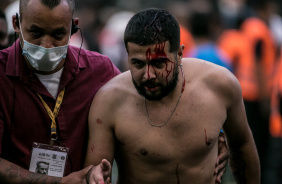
[[20, 27]]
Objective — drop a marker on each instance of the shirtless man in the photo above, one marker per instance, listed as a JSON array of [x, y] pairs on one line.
[[163, 127]]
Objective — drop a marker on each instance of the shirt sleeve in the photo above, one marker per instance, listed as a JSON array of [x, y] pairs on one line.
[[115, 70], [1, 130]]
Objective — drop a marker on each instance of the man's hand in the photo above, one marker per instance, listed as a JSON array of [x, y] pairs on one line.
[[76, 177], [100, 174], [222, 158]]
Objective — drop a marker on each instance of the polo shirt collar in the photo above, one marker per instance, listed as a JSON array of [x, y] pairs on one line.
[[17, 67]]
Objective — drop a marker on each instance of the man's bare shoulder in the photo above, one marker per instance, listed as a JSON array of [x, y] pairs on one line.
[[111, 98], [213, 77], [117, 88], [206, 71]]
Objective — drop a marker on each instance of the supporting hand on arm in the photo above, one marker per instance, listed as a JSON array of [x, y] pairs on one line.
[[222, 158]]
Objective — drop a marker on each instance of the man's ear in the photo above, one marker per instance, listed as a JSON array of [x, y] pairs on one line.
[[16, 24], [75, 21], [74, 27], [180, 53]]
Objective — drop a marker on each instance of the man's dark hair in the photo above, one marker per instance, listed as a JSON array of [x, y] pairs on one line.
[[152, 26], [49, 3]]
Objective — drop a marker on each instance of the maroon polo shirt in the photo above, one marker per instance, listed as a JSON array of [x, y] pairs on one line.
[[23, 118]]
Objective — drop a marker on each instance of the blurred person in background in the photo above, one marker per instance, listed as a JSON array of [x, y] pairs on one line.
[[4, 39], [111, 39], [274, 167], [205, 26], [182, 12], [11, 9], [264, 51], [252, 49], [232, 11], [237, 48], [87, 11]]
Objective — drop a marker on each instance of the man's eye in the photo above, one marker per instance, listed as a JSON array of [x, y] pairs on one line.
[[158, 63], [138, 64], [36, 34], [59, 35]]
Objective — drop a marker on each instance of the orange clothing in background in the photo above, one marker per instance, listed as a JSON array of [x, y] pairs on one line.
[[257, 30], [186, 39], [275, 123], [238, 48]]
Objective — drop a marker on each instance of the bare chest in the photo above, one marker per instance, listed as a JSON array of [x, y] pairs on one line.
[[191, 132]]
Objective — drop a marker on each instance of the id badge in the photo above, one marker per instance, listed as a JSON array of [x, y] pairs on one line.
[[49, 160]]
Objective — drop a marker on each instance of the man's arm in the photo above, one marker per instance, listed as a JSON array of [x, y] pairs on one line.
[[101, 142], [13, 174], [244, 159]]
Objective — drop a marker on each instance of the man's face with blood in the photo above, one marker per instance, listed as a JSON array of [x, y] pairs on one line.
[[154, 69]]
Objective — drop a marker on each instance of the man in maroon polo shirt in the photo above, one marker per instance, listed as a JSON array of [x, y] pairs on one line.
[[39, 74]]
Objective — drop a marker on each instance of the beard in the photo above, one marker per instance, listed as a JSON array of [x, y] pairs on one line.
[[162, 91]]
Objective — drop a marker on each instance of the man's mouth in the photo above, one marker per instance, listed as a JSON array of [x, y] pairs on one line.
[[151, 88]]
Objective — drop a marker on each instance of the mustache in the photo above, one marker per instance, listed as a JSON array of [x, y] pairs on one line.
[[150, 83]]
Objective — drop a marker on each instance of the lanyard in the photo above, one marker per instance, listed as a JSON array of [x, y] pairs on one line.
[[53, 114]]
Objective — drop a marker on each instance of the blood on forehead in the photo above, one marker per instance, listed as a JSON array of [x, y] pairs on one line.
[[159, 53]]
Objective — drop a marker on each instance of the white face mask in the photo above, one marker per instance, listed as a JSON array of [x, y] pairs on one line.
[[41, 58]]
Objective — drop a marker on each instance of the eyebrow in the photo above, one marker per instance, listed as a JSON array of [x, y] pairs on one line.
[[135, 59], [159, 58], [41, 29], [35, 27]]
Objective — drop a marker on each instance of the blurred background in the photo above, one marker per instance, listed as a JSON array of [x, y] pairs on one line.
[[244, 36]]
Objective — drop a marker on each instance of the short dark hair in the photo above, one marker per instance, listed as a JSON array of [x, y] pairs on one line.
[[152, 26], [49, 3]]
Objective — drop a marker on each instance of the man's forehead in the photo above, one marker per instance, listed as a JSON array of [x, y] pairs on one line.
[[39, 14], [134, 46]]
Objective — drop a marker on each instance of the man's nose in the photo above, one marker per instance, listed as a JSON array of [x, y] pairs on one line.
[[47, 42], [150, 72]]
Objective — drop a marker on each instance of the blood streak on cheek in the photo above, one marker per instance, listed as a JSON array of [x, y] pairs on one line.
[[99, 121], [183, 87], [148, 58]]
